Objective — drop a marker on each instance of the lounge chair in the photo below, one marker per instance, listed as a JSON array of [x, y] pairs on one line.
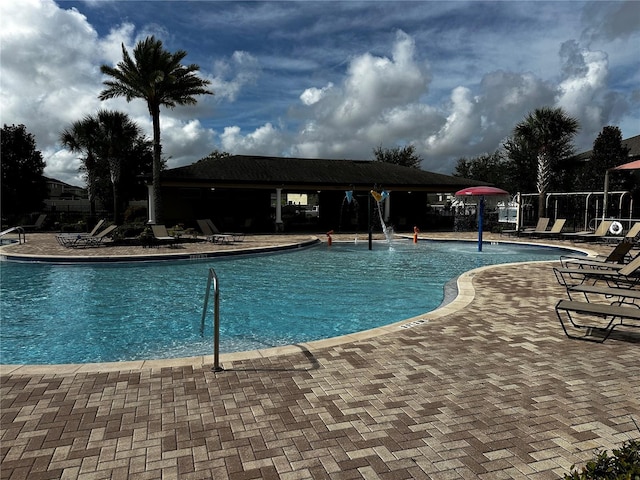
[[619, 254], [541, 226], [587, 235], [556, 229], [609, 316], [69, 239], [613, 274], [598, 294], [38, 223], [630, 236], [237, 237], [211, 235], [161, 235], [96, 240]]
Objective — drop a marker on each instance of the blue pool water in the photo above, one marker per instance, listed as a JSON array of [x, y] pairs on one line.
[[96, 313]]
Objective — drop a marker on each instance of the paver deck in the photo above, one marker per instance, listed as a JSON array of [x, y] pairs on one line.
[[486, 387]]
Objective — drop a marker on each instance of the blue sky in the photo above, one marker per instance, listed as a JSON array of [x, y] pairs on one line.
[[329, 79]]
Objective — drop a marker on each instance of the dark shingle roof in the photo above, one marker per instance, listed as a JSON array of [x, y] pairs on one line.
[[276, 171], [632, 143]]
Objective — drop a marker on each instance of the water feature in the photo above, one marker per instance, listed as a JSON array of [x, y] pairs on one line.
[[87, 313]]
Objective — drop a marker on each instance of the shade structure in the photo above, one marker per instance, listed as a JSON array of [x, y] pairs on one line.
[[481, 192]]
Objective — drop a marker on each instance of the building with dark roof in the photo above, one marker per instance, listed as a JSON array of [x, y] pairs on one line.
[[251, 192], [632, 143]]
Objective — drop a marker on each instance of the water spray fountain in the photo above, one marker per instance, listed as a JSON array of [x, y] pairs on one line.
[[380, 197]]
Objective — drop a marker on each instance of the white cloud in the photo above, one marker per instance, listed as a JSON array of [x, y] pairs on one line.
[[338, 87], [313, 95], [265, 140], [51, 77], [240, 70], [580, 92]]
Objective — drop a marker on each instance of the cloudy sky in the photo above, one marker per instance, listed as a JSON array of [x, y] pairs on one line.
[[329, 79]]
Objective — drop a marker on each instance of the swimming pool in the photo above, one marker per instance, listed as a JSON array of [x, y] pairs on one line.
[[101, 312]]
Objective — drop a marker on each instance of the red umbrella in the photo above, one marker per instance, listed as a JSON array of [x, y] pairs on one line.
[[628, 166], [481, 191], [635, 165]]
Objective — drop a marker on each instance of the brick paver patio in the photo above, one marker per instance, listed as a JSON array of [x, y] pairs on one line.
[[487, 387]]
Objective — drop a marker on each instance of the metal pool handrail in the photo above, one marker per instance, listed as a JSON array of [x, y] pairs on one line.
[[22, 238], [213, 278]]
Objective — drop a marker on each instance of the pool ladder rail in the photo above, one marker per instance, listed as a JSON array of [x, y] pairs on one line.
[[22, 238], [213, 280]]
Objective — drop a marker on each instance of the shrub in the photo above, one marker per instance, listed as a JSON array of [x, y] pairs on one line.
[[622, 464]]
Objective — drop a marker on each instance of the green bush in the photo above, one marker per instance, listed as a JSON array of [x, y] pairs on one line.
[[622, 464]]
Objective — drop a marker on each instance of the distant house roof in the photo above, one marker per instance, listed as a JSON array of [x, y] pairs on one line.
[[245, 171], [633, 144]]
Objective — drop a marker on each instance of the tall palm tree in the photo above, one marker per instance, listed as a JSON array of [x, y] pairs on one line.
[[548, 133], [156, 76]]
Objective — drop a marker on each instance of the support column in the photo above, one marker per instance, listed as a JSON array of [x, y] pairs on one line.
[[151, 209], [387, 208], [279, 225]]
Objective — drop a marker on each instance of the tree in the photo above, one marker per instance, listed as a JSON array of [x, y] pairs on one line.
[[23, 186], [113, 149], [215, 155], [490, 168], [405, 156], [158, 77], [608, 152], [547, 134]]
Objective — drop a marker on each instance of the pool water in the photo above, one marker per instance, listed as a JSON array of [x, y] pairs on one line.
[[96, 313]]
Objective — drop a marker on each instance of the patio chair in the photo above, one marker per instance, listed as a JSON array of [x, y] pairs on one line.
[[211, 235], [613, 274], [556, 229], [629, 237], [600, 294], [237, 237], [96, 240], [541, 226], [161, 235], [588, 235], [38, 223], [69, 239], [606, 316], [619, 254]]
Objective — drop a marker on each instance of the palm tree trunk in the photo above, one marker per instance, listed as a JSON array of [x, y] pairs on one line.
[[157, 164], [115, 203], [544, 177]]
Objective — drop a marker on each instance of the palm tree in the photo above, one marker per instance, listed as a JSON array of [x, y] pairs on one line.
[[105, 139], [157, 76], [118, 135], [81, 137], [548, 133]]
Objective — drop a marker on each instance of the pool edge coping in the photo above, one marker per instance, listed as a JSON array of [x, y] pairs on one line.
[[465, 295]]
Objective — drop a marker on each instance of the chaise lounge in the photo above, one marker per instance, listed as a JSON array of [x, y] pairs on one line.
[[161, 235], [614, 274], [603, 318], [619, 254], [212, 236]]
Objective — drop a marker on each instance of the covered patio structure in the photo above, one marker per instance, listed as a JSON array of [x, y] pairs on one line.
[[250, 193]]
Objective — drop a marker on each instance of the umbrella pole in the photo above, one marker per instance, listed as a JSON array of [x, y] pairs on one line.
[[480, 222]]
